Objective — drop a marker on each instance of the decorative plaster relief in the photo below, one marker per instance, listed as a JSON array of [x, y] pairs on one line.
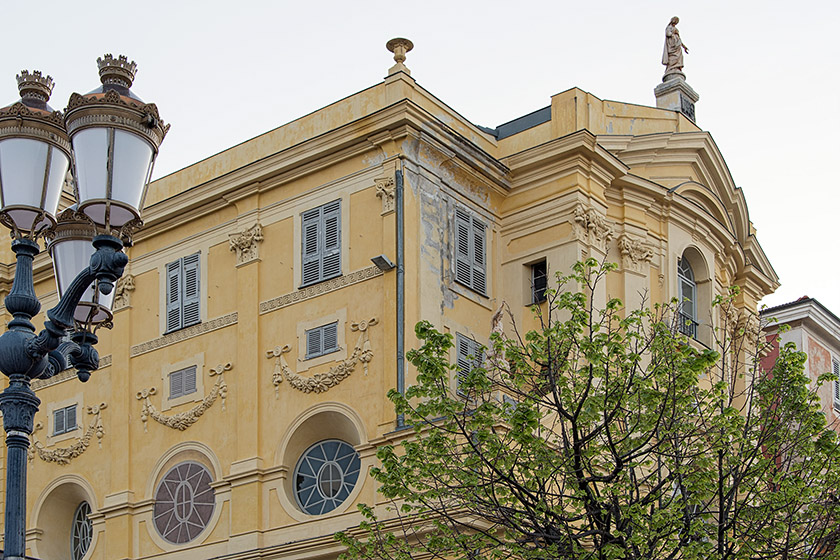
[[635, 252], [184, 334], [122, 292], [592, 227], [184, 420], [386, 190], [321, 288], [322, 382], [63, 455], [245, 244]]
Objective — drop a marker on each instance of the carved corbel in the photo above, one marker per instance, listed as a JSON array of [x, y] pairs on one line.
[[386, 190], [635, 252], [184, 420], [245, 244], [590, 226], [122, 292], [63, 455]]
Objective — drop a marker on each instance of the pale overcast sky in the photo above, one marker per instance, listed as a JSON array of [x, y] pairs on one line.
[[224, 72]]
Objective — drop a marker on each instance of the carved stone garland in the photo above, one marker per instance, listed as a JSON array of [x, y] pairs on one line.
[[63, 455], [323, 382], [184, 420], [245, 244]]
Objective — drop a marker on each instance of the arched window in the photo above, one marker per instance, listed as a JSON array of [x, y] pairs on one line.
[[184, 502], [81, 532], [687, 320]]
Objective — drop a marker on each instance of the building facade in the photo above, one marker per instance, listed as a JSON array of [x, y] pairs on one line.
[[241, 393], [816, 331]]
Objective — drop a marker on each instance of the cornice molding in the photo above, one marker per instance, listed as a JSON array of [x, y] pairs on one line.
[[325, 287]]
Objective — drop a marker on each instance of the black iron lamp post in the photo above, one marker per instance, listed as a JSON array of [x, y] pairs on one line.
[[108, 138]]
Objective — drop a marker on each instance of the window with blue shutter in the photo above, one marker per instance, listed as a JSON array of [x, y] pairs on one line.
[[182, 382], [836, 371], [183, 291], [64, 420], [470, 251], [321, 243], [470, 356], [322, 340]]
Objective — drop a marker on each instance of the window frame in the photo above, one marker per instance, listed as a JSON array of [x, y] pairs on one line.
[[538, 295], [687, 315], [81, 531], [182, 303], [65, 428], [324, 333], [469, 250], [835, 386], [320, 251]]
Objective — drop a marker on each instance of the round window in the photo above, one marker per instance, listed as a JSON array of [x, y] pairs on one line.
[[184, 502], [325, 475], [81, 532]]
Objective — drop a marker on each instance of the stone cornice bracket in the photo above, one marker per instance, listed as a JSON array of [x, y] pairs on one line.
[[635, 252], [323, 382], [122, 292], [280, 366], [184, 420], [386, 190], [64, 455], [245, 244], [592, 227]]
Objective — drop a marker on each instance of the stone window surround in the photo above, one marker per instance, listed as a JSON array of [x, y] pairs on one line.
[[198, 361], [78, 400], [340, 316]]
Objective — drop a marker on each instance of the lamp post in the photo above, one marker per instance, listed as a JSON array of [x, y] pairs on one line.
[[108, 139]]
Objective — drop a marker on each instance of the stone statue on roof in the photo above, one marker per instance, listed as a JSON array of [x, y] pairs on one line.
[[672, 54]]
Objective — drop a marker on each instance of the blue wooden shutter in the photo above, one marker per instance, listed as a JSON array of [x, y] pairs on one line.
[[70, 418], [176, 384], [479, 259], [330, 338], [331, 254], [189, 380], [464, 361], [836, 371], [173, 296], [310, 250], [58, 422], [191, 291], [313, 342], [463, 266]]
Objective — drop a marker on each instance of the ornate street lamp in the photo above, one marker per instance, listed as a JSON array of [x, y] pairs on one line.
[[114, 137]]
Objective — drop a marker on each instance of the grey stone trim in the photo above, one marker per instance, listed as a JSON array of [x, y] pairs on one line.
[[320, 288], [185, 334], [69, 373]]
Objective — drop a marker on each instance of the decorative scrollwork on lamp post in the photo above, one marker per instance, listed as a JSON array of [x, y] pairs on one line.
[[109, 139]]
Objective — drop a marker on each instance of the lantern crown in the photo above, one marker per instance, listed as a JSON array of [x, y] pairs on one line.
[[116, 71]]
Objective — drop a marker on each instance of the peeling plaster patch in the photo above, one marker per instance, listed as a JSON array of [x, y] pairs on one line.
[[434, 222], [375, 159]]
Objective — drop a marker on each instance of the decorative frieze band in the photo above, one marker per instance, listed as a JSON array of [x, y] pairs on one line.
[[69, 373], [185, 334], [318, 289]]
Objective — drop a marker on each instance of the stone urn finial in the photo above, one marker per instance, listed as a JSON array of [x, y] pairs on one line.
[[399, 47], [35, 85]]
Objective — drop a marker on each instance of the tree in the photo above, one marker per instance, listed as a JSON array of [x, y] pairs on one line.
[[606, 434]]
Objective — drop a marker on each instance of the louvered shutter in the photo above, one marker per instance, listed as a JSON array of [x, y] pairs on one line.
[[463, 266], [330, 338], [58, 422], [70, 418], [176, 384], [189, 380], [837, 384], [313, 342], [331, 254], [191, 291], [173, 296], [479, 262], [310, 250], [464, 361]]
